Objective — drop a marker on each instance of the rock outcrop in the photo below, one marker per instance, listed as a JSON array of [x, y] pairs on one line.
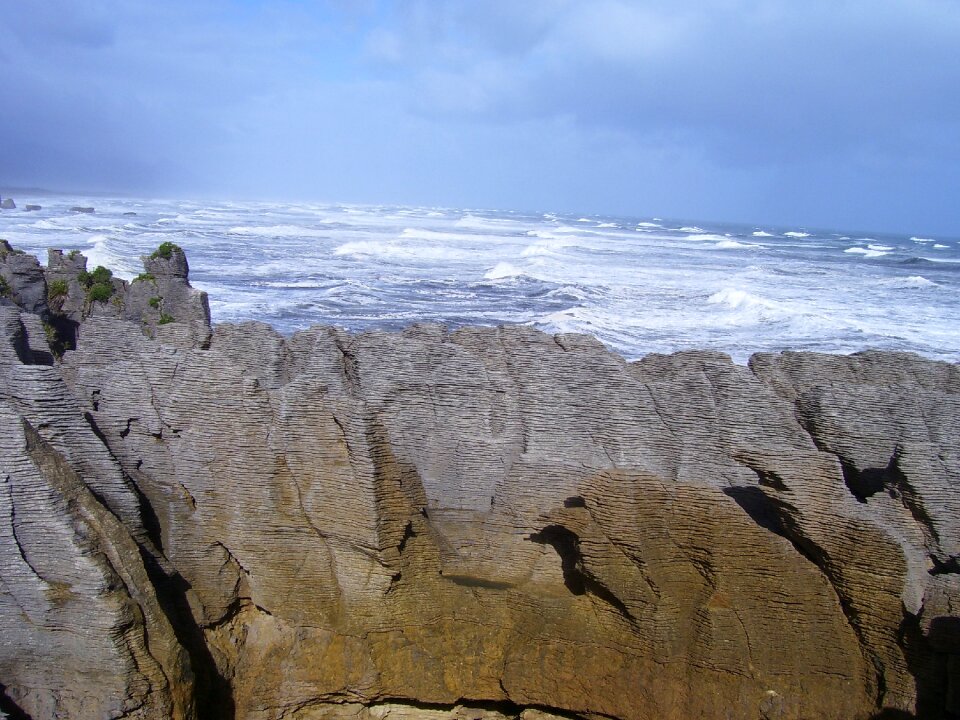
[[487, 523], [7, 204]]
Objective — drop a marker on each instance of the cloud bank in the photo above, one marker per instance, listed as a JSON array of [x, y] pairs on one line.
[[839, 113]]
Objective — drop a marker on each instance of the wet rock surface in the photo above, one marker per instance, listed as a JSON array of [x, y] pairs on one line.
[[488, 523]]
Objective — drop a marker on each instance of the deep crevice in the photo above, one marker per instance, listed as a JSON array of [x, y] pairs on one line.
[[212, 692], [931, 659], [775, 515], [865, 483], [505, 707], [948, 567], [577, 579], [8, 706], [408, 532]]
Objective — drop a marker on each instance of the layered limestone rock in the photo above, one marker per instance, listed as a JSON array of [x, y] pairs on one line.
[[485, 523]]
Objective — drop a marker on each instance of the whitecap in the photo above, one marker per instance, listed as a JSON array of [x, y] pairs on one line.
[[606, 225], [690, 229], [503, 270], [922, 240], [100, 253], [707, 236], [736, 299], [734, 245], [796, 234], [584, 220], [917, 281], [762, 233], [649, 225], [940, 246], [881, 248], [866, 252], [291, 231]]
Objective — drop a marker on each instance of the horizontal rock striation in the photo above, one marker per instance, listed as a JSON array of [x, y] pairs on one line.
[[487, 523]]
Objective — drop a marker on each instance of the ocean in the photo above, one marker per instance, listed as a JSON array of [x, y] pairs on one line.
[[639, 285]]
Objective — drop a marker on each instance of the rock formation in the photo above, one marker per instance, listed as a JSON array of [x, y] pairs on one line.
[[485, 523], [7, 204]]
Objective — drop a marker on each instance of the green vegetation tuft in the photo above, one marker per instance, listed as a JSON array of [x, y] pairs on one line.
[[165, 250], [5, 290], [99, 292], [155, 302], [73, 254], [101, 275], [143, 277], [164, 319], [56, 289], [97, 283]]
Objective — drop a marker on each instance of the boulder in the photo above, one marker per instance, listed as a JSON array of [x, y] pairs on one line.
[[22, 280], [32, 208], [7, 204], [80, 209]]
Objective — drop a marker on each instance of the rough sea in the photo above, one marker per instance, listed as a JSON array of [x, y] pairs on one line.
[[640, 285]]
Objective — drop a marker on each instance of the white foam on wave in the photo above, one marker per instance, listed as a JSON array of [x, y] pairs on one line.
[[940, 246], [503, 270], [922, 240], [291, 231], [762, 233], [706, 237], [734, 245], [737, 299], [539, 249], [940, 260], [866, 252], [607, 225], [796, 234], [690, 229], [473, 222], [100, 253], [438, 235], [880, 248], [649, 225], [51, 224], [584, 220], [912, 281], [290, 284], [394, 251]]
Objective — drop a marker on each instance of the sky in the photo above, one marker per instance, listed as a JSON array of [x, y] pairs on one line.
[[821, 113]]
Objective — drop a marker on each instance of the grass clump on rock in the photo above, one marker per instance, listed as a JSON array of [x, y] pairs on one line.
[[165, 250], [98, 283], [56, 289], [155, 302], [143, 277], [165, 319]]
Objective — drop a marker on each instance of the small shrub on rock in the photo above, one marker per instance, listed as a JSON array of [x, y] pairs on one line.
[[56, 289], [143, 277], [155, 302], [165, 319], [165, 250], [99, 292]]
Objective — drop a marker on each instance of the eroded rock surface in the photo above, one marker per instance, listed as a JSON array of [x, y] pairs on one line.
[[485, 523]]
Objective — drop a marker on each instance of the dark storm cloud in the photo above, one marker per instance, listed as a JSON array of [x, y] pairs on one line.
[[820, 113]]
